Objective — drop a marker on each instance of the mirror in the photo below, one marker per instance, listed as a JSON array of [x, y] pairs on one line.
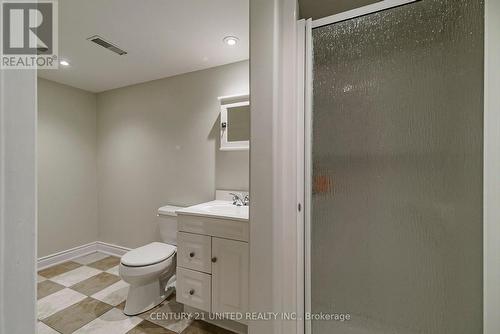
[[238, 119], [235, 124]]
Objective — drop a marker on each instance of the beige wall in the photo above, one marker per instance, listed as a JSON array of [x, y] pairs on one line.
[[107, 161], [17, 201], [158, 145], [67, 160], [264, 28]]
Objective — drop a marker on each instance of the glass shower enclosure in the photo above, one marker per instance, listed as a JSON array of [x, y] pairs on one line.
[[395, 229]]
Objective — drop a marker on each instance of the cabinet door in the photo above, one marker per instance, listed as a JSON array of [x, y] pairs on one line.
[[229, 275]]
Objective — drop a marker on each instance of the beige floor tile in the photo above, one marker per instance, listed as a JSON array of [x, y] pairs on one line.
[[44, 329], [201, 327], [58, 269], [106, 263], [75, 276], [121, 306], [115, 270], [112, 322], [89, 258], [113, 294], [47, 287], [169, 315], [95, 284], [57, 301], [179, 326], [76, 316], [146, 327]]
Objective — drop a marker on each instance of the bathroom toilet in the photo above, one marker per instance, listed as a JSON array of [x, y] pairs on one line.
[[150, 269]]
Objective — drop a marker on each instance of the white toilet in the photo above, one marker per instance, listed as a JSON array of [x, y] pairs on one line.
[[150, 269]]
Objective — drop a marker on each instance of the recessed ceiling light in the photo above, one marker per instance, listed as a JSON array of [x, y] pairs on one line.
[[231, 40], [64, 63]]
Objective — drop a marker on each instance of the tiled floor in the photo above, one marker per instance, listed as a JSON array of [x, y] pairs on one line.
[[86, 295]]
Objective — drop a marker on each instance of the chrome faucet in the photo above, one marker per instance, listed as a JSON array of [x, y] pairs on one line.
[[240, 200], [246, 200]]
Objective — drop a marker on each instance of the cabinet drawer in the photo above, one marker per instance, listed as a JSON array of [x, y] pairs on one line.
[[194, 289], [194, 251], [222, 228]]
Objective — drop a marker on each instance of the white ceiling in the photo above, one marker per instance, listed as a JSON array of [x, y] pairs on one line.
[[162, 37]]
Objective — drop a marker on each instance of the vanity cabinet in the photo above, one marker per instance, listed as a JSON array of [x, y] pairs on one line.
[[213, 264]]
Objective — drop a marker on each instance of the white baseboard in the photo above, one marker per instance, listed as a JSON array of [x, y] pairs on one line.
[[73, 253], [111, 249], [66, 255]]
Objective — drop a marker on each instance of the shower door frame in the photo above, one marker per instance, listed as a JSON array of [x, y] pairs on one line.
[[361, 11], [491, 176]]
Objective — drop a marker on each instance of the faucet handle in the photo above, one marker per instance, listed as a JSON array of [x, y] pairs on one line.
[[236, 198]]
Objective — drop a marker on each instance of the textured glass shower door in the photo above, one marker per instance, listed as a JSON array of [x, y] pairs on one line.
[[397, 141]]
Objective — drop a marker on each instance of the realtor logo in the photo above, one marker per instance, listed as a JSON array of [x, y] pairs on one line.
[[29, 34]]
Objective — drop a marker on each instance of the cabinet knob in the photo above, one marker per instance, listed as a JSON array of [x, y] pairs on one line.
[[191, 292], [191, 254], [214, 259]]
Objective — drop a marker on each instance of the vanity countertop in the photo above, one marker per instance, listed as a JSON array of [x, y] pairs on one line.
[[217, 209]]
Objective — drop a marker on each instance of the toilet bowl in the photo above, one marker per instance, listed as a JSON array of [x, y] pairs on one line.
[[150, 269]]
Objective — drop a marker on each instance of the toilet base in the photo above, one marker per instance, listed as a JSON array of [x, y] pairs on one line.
[[148, 285], [145, 297]]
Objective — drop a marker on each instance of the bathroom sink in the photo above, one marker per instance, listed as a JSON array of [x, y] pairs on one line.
[[225, 208], [217, 209]]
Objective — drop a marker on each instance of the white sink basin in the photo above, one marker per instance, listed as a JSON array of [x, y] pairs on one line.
[[225, 208], [217, 209]]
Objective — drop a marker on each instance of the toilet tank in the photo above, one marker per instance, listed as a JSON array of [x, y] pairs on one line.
[[167, 222]]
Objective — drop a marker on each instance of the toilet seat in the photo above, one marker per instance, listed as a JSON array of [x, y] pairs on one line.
[[148, 255]]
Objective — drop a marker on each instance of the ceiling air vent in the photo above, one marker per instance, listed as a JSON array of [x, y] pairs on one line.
[[107, 45]]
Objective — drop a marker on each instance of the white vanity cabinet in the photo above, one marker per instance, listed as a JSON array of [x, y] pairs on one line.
[[212, 263]]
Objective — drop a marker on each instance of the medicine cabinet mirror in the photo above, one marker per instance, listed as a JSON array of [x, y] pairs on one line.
[[234, 123]]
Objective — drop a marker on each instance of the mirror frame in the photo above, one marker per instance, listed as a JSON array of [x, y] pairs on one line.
[[225, 104]]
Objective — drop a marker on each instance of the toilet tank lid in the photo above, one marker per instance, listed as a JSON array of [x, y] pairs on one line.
[[169, 210]]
